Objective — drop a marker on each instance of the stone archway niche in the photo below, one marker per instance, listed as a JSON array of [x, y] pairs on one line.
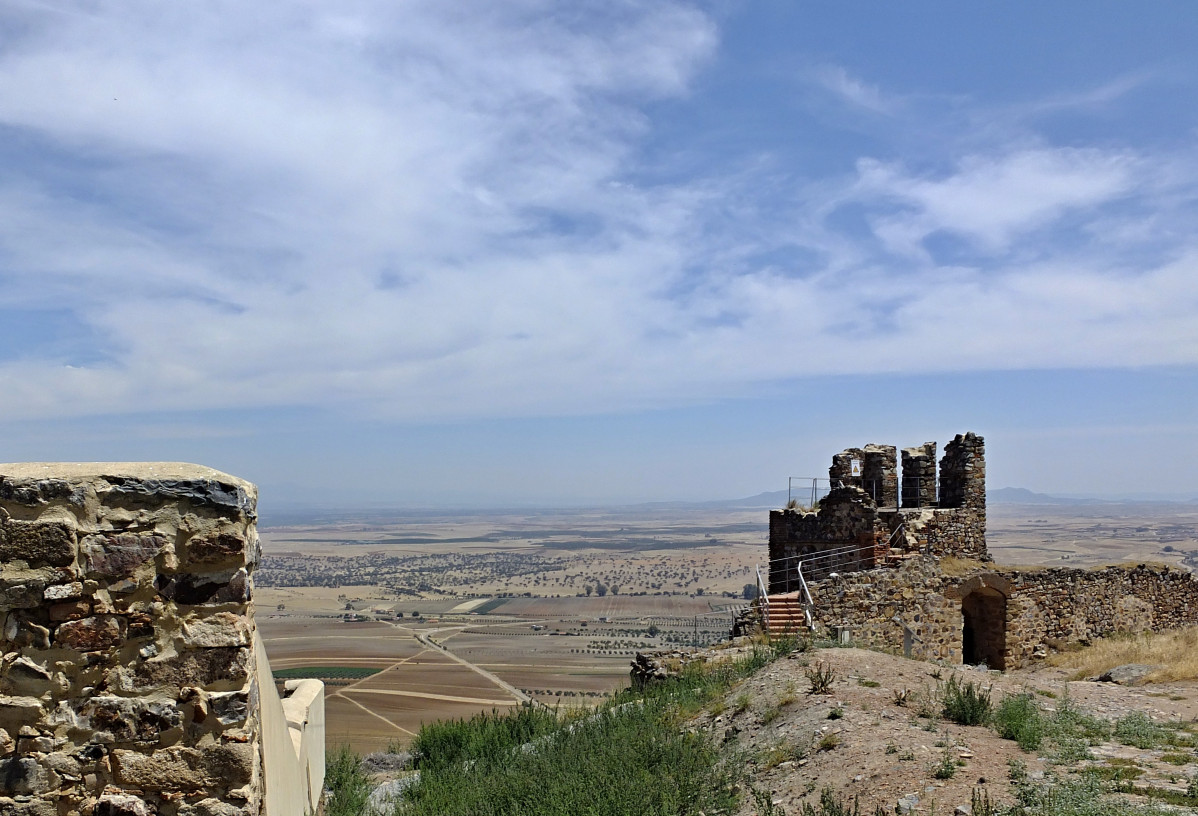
[[984, 621]]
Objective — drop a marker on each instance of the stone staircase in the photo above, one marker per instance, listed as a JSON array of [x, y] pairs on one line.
[[785, 614]]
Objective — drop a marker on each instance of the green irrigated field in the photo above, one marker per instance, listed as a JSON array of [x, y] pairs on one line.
[[325, 673]]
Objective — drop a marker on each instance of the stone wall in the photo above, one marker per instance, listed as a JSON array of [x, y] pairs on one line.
[[919, 476], [1001, 617], [129, 682], [843, 535], [1062, 606], [904, 610]]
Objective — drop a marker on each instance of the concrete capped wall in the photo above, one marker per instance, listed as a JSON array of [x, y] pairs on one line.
[[130, 682]]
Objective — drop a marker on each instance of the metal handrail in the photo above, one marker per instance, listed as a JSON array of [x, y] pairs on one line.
[[808, 602]]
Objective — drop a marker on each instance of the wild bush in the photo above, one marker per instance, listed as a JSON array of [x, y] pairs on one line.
[[965, 703], [347, 783], [1018, 717]]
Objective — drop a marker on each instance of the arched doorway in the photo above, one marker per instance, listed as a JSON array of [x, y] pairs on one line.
[[984, 629]]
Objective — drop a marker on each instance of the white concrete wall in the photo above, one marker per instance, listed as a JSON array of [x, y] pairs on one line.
[[292, 741]]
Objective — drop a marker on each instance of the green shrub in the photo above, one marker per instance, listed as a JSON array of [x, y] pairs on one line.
[[347, 782], [947, 767], [1018, 718], [483, 736], [1139, 731], [965, 703]]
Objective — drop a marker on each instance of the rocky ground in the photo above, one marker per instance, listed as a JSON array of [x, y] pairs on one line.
[[866, 737]]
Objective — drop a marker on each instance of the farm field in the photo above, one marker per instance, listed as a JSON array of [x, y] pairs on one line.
[[506, 597]]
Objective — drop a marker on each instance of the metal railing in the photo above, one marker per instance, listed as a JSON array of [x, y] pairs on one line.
[[849, 558], [807, 490]]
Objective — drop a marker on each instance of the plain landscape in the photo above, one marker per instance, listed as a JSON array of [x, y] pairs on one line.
[[412, 617]]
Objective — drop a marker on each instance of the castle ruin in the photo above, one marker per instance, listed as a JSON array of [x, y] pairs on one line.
[[868, 565]]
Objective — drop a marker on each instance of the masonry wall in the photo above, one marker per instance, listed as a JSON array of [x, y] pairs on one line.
[[1054, 607], [916, 610], [904, 610], [128, 678]]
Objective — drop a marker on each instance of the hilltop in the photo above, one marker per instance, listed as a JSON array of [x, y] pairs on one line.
[[878, 734]]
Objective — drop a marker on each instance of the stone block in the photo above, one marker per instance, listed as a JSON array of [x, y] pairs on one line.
[[91, 634], [25, 775], [217, 549], [133, 719], [201, 667], [31, 807], [70, 610], [122, 804], [63, 592], [230, 707], [25, 677], [211, 631], [37, 543], [192, 590], [181, 769], [119, 556]]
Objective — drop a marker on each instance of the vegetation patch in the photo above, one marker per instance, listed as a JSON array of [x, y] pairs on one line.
[[325, 673], [629, 756], [1175, 652]]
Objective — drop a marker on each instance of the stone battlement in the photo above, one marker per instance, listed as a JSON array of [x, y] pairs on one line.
[[132, 679]]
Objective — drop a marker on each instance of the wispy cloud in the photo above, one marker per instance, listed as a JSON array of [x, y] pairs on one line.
[[854, 91], [431, 211]]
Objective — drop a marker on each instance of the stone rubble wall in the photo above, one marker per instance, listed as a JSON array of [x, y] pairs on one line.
[[919, 476], [1055, 607], [128, 681], [902, 610], [916, 609]]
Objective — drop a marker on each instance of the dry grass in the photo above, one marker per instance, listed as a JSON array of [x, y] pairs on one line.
[[957, 567], [1176, 652]]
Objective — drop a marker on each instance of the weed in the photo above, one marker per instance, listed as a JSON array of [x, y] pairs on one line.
[[1117, 769], [981, 804], [947, 767], [821, 676], [828, 741], [741, 703], [763, 800], [769, 714], [835, 713], [965, 703], [907, 756], [347, 782], [901, 697], [1138, 730], [1177, 758], [868, 683], [936, 673], [891, 748], [832, 805], [1018, 718]]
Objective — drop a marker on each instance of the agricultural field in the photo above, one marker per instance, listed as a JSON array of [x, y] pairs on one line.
[[448, 616]]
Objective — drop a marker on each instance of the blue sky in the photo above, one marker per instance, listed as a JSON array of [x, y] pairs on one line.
[[480, 252]]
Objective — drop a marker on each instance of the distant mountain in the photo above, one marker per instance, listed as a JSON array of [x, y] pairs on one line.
[[1021, 495], [772, 499]]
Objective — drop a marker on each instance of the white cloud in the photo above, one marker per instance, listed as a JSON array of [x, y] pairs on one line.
[[425, 210], [991, 200], [854, 91]]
